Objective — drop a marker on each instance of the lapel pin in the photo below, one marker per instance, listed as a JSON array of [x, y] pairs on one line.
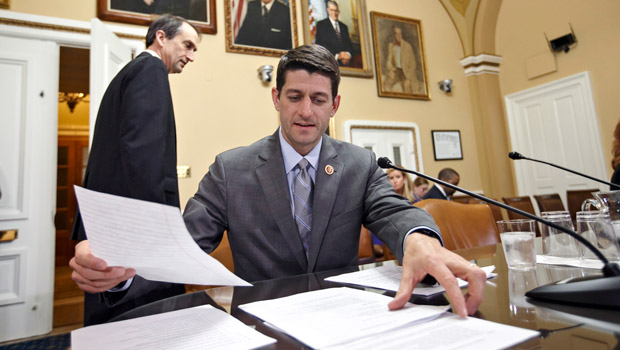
[[329, 169]]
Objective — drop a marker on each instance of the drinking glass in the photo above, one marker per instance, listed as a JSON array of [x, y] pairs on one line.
[[596, 227], [518, 243], [558, 243]]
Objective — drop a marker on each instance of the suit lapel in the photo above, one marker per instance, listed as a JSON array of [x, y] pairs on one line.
[[325, 192], [273, 182]]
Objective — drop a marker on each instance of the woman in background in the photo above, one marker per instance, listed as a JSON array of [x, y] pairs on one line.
[[420, 187], [615, 160], [402, 183]]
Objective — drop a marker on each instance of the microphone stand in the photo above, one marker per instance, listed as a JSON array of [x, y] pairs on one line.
[[610, 270], [517, 156]]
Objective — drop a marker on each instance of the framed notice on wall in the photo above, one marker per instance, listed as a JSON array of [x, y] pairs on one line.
[[447, 144]]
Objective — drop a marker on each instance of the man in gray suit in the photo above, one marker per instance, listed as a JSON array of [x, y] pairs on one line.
[[276, 228]]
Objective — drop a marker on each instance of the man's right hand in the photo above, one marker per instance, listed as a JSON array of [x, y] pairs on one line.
[[92, 274]]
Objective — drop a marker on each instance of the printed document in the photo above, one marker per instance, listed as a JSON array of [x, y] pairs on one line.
[[202, 327], [346, 318], [388, 278], [149, 237]]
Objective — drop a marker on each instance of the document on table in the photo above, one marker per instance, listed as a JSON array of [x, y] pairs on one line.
[[332, 316], [347, 318], [201, 327], [149, 237], [575, 262], [388, 278]]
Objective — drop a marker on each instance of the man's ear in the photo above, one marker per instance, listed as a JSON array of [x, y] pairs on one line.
[[276, 98], [160, 37], [335, 105]]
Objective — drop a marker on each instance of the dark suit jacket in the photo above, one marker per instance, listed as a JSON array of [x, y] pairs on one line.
[[434, 192], [133, 155], [326, 37], [246, 193], [274, 33]]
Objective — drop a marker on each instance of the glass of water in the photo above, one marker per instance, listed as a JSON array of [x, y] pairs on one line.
[[518, 242], [596, 227], [558, 243]]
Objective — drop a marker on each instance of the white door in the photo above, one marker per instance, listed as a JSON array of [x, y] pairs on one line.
[[556, 123], [28, 124], [108, 54], [397, 141]]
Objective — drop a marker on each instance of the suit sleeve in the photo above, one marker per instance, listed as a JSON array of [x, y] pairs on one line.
[[388, 215], [145, 113], [205, 213]]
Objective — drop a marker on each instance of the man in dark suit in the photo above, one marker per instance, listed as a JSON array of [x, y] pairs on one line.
[[294, 202], [267, 24], [438, 191], [134, 145], [334, 35]]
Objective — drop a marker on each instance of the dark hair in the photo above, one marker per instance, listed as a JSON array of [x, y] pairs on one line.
[[313, 59], [615, 161], [171, 25], [447, 174], [419, 181]]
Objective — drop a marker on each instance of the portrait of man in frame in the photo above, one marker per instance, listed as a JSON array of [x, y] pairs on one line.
[[340, 26], [262, 27], [399, 57]]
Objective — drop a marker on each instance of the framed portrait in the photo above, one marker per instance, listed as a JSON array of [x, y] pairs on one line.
[[260, 27], [200, 13], [341, 27], [447, 144], [399, 57]]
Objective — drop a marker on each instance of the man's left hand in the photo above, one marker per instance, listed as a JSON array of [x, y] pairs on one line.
[[425, 255]]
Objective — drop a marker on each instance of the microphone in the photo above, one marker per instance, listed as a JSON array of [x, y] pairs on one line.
[[601, 292], [517, 156]]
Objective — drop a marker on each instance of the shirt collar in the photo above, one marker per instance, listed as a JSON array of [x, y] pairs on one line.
[[268, 6], [333, 22], [442, 190], [291, 157], [152, 53]]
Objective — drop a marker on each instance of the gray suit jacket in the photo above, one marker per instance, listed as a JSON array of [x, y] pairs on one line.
[[246, 193]]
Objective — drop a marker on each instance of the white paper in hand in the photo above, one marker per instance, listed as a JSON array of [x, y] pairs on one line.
[[149, 237]]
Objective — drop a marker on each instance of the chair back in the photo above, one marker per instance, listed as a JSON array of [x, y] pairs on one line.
[[366, 253], [524, 203], [462, 225], [549, 202], [574, 199]]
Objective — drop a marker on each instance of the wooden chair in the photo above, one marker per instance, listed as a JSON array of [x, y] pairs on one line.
[[462, 225], [574, 198], [497, 211], [222, 254], [549, 202], [524, 203], [462, 198], [366, 252]]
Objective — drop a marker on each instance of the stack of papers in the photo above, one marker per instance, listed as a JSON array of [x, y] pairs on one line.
[[388, 278], [346, 318], [202, 327], [576, 262]]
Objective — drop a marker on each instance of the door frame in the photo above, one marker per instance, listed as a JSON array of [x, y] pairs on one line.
[[591, 118], [349, 125], [62, 32]]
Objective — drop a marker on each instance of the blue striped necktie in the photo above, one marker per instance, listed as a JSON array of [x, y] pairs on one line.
[[302, 193]]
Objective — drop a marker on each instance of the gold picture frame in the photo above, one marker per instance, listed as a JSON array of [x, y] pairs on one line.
[[5, 4], [201, 13], [246, 33], [391, 35], [352, 19]]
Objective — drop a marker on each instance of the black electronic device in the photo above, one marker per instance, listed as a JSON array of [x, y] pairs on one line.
[[603, 291]]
